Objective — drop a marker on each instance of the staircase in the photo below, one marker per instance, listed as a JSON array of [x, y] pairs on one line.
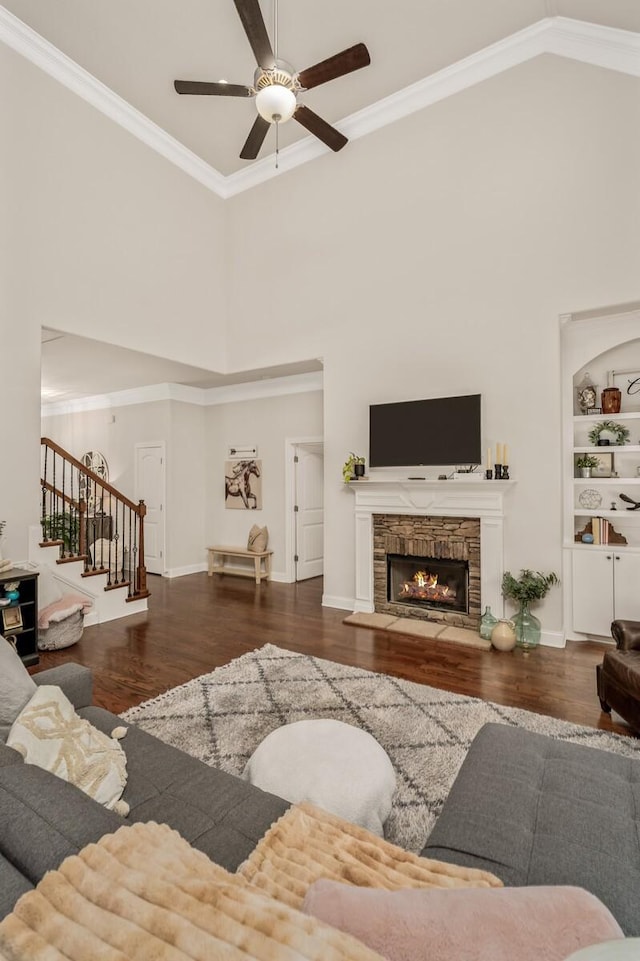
[[91, 535]]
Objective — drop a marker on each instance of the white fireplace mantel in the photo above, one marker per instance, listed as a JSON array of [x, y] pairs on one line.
[[452, 498]]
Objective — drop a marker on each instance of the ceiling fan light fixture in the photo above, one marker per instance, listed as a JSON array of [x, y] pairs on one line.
[[276, 103]]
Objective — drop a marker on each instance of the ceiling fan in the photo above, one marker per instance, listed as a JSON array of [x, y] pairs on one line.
[[276, 84]]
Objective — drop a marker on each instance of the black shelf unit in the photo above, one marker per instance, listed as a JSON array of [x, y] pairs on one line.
[[24, 610]]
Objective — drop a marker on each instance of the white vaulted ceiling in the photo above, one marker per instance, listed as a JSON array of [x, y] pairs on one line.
[[136, 48]]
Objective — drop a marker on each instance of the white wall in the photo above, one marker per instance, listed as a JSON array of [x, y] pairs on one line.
[[19, 342], [266, 423], [186, 503], [99, 236], [435, 257], [122, 246]]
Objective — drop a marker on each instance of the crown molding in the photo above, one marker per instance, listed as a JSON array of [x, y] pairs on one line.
[[598, 45], [197, 396], [31, 45]]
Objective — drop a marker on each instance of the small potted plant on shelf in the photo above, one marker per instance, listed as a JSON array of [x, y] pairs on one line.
[[586, 463], [529, 587], [352, 467]]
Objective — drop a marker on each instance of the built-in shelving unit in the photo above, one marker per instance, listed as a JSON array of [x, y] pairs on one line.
[[601, 581]]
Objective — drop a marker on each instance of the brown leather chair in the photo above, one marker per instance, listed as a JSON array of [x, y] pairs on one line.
[[619, 674]]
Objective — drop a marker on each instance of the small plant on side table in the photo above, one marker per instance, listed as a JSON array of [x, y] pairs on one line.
[[531, 586]]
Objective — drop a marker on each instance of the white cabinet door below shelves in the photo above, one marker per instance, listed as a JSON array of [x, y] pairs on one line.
[[592, 592], [606, 585], [626, 580]]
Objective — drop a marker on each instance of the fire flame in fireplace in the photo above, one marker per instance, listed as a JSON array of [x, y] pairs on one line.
[[424, 586]]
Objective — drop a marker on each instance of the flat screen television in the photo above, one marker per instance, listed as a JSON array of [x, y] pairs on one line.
[[443, 431]]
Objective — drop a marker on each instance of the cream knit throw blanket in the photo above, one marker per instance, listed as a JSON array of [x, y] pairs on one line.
[[307, 844], [145, 893]]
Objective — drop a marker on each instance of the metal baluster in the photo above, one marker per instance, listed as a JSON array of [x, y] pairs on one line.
[[129, 558], [135, 555], [105, 531], [116, 538]]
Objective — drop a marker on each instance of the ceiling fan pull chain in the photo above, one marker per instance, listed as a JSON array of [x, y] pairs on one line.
[[277, 141]]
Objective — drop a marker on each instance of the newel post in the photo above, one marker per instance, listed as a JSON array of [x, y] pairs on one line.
[[141, 573]]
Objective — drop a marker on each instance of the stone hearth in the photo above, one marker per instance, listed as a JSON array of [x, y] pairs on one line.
[[446, 538]]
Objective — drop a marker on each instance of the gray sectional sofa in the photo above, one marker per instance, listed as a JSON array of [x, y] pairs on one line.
[[528, 808], [43, 819]]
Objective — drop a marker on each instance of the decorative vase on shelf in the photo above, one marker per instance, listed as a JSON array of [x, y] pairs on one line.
[[611, 399], [487, 624], [358, 470], [503, 635], [527, 627]]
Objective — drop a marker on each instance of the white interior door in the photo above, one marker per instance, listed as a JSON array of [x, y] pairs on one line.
[[309, 511], [150, 487]]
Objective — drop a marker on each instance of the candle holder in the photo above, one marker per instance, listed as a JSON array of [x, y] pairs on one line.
[[497, 474], [489, 474], [505, 472]]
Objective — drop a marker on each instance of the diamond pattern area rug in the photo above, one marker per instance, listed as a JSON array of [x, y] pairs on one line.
[[221, 718]]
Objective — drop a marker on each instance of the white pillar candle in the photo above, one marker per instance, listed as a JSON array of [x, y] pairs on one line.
[[505, 455], [498, 453], [489, 458]]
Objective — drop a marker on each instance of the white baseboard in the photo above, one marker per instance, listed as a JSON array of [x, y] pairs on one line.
[[187, 569], [279, 576], [553, 639], [342, 603]]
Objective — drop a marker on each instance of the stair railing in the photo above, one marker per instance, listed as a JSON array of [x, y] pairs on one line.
[[90, 520]]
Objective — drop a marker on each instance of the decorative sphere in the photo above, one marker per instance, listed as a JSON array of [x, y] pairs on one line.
[[587, 538], [276, 102]]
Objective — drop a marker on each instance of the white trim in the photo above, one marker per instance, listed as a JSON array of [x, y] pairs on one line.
[[291, 445], [341, 603], [31, 45], [482, 499], [187, 569], [553, 639], [591, 43], [145, 445], [272, 387], [200, 397]]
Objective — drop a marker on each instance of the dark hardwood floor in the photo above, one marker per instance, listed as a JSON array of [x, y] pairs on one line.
[[196, 623]]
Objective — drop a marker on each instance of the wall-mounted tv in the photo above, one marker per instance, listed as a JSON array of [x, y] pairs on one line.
[[443, 431]]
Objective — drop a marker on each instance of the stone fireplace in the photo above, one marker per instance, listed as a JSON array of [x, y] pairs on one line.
[[455, 523], [427, 567]]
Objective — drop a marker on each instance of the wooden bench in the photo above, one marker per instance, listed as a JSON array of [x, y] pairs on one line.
[[224, 552]]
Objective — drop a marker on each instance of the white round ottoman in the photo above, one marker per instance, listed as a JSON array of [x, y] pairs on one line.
[[334, 765]]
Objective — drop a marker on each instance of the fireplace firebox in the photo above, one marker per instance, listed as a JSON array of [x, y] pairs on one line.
[[428, 582]]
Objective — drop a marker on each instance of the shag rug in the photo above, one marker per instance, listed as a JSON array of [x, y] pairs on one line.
[[221, 718]]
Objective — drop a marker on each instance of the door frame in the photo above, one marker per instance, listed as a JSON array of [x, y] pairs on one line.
[[291, 444], [136, 481]]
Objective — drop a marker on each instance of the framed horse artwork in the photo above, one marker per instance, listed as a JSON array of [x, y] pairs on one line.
[[243, 484]]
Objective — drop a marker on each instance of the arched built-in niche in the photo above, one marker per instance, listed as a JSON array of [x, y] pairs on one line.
[[600, 580]]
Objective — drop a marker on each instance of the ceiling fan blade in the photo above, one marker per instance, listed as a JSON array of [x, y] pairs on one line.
[[346, 62], [320, 128], [254, 27], [203, 88], [255, 139]]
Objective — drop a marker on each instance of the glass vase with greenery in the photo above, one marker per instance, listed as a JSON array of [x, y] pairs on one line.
[[531, 586]]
